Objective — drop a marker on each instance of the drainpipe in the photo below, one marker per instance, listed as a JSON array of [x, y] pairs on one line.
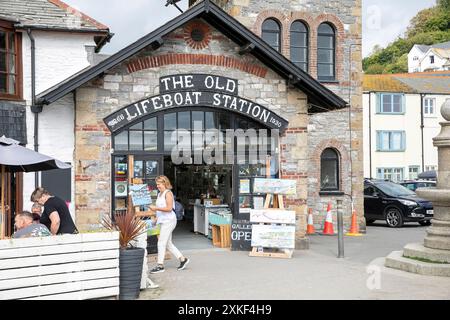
[[35, 109], [422, 96]]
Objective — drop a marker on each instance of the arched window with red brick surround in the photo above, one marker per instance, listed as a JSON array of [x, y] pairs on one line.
[[299, 43], [271, 33], [326, 52], [329, 170]]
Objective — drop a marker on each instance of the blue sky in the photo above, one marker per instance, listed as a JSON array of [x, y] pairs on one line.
[[383, 20]]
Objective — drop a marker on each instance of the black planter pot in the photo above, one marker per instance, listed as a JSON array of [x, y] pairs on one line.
[[130, 265]]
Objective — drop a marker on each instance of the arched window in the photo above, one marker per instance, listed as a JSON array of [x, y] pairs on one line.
[[326, 52], [299, 45], [329, 170], [271, 33]]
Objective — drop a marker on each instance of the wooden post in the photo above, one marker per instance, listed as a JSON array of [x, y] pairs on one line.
[[268, 166]]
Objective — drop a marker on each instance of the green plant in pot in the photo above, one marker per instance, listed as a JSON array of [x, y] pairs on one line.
[[131, 258]]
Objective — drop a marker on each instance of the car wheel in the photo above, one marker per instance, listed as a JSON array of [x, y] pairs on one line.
[[425, 223], [394, 218]]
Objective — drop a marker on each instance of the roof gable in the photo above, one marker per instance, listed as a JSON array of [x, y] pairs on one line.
[[48, 14], [317, 93]]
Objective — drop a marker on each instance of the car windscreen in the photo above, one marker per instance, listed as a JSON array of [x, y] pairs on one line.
[[394, 190]]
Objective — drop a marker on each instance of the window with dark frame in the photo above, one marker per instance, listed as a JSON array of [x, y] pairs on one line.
[[132, 140], [329, 170], [299, 45], [10, 63], [271, 33], [326, 52]]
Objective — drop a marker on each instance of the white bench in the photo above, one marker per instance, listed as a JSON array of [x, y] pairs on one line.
[[76, 267]]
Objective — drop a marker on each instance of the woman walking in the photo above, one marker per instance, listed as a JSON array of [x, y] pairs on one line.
[[167, 220]]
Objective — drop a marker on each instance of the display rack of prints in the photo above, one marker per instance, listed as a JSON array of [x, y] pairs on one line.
[[273, 230], [275, 186]]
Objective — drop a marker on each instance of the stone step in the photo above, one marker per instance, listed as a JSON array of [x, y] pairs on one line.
[[418, 250], [396, 260]]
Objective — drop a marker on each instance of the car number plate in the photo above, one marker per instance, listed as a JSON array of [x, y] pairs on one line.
[[430, 211]]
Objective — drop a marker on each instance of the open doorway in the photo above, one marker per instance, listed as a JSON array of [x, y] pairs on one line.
[[201, 189]]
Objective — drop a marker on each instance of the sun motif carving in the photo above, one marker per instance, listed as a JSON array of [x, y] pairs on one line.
[[197, 35]]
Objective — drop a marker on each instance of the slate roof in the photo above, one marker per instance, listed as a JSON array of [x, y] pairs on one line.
[[423, 48], [51, 15], [421, 82], [444, 45], [13, 121], [318, 94], [48, 14]]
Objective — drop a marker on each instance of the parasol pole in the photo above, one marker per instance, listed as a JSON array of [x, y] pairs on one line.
[[2, 221]]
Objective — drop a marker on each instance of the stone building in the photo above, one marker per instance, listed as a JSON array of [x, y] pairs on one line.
[[209, 65], [306, 18]]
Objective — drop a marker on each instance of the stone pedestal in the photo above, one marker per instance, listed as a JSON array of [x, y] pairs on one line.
[[433, 256]]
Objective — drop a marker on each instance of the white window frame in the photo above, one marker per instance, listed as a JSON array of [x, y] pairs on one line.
[[391, 174], [427, 107], [416, 173]]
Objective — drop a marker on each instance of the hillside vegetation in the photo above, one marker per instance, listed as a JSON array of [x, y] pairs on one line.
[[429, 26]]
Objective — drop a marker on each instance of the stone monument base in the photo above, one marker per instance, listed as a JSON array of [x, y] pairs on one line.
[[416, 258]]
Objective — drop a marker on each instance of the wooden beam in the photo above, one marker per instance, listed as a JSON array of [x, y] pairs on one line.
[[293, 80], [246, 48], [157, 43]]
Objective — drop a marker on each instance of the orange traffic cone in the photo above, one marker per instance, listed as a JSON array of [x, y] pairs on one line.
[[310, 227], [328, 227], [354, 228]]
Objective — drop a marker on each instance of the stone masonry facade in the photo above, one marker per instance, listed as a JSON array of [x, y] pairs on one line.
[[302, 144], [139, 76], [330, 129]]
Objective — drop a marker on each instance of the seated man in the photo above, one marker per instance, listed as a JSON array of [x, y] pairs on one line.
[[26, 228], [36, 210]]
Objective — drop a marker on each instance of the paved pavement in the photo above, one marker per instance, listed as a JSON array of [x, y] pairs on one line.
[[312, 274]]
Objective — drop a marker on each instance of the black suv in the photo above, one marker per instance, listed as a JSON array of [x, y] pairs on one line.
[[386, 200]]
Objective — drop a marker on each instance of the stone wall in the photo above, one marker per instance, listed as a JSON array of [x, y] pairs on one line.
[[346, 17], [139, 76]]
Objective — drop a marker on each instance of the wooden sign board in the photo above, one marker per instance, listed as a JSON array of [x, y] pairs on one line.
[[140, 195], [272, 216], [241, 235], [275, 186], [273, 236]]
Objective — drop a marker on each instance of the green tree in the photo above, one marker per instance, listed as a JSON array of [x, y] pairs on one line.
[[444, 4], [429, 26]]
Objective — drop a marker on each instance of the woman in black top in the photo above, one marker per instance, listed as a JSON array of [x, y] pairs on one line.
[[56, 216]]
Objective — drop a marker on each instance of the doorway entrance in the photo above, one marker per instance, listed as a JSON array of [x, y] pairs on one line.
[[198, 186]]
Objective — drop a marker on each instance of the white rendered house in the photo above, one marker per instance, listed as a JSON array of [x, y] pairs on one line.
[[47, 41], [401, 117], [424, 58]]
